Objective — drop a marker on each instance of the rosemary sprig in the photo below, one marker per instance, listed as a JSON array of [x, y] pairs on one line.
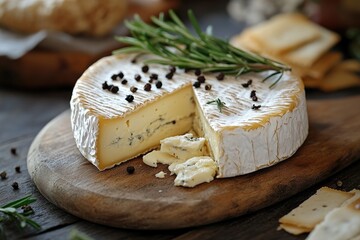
[[10, 211], [219, 103], [173, 44]]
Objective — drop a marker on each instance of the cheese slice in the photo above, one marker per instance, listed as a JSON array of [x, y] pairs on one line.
[[108, 130]]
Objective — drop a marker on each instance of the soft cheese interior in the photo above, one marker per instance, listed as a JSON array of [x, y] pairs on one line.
[[109, 130], [125, 137]]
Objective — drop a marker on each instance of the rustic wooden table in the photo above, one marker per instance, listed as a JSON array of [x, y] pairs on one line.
[[24, 113]]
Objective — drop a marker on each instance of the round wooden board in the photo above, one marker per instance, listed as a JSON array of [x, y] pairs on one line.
[[142, 201]]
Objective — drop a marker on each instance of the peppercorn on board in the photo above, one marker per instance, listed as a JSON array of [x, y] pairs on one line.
[[142, 201]]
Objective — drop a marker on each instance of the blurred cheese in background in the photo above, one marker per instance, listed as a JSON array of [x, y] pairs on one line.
[[255, 11], [332, 14], [49, 43], [89, 17]]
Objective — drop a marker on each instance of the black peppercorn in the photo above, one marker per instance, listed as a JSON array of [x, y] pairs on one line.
[[208, 87], [129, 98], [255, 107], [253, 93], [15, 186], [186, 70], [121, 75], [169, 75], [124, 81], [247, 84], [197, 72], [114, 89], [17, 169], [173, 121], [133, 89], [339, 183], [172, 69], [114, 77], [201, 79], [133, 60], [154, 76], [130, 169], [254, 98], [105, 85], [147, 87], [220, 76], [27, 209], [137, 77], [197, 84], [3, 175], [145, 69], [13, 151], [158, 84]]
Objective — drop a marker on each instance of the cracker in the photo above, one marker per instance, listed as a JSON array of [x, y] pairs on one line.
[[285, 32], [309, 53], [294, 230], [339, 79], [341, 223], [312, 211], [310, 82], [351, 200], [350, 65], [245, 41], [324, 64]]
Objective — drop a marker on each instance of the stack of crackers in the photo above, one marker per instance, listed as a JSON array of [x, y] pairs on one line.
[[296, 41], [329, 214]]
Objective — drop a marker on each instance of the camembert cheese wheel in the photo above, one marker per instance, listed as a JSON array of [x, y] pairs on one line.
[[111, 127]]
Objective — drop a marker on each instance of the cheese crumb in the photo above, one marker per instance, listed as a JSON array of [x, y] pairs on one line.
[[160, 174]]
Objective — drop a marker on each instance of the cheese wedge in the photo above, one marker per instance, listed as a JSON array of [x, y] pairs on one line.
[[109, 130]]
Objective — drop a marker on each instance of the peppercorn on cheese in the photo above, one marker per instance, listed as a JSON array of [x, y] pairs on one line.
[[242, 135]]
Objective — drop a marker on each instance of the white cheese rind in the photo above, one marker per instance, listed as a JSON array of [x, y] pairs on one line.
[[85, 137], [242, 151]]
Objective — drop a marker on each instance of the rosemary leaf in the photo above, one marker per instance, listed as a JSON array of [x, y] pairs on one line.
[[20, 202], [10, 210], [219, 103]]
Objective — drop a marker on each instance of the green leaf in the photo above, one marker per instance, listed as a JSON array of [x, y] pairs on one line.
[[20, 202]]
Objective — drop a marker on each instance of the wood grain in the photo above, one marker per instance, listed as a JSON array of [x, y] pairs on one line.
[[141, 201]]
